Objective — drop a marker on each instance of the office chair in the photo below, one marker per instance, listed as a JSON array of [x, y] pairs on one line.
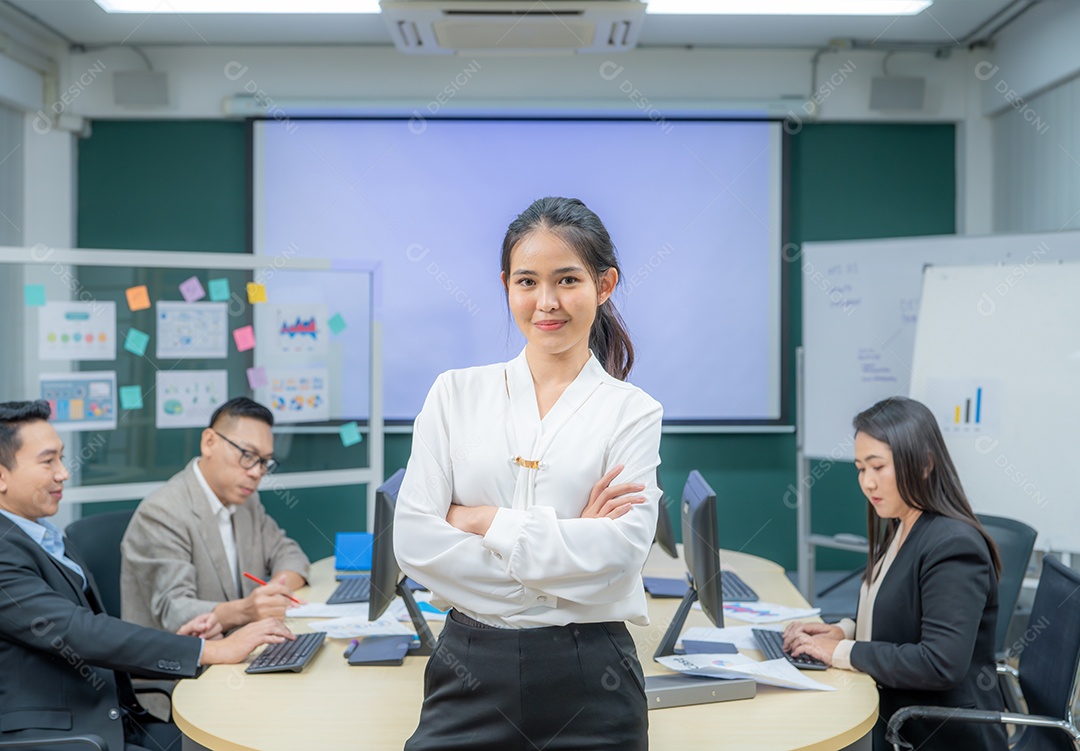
[[1015, 541], [78, 742], [97, 538], [1047, 672]]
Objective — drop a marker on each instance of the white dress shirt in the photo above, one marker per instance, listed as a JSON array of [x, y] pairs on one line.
[[862, 627], [224, 515], [539, 564]]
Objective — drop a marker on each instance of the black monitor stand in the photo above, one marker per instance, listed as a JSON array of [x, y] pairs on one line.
[[667, 644], [419, 622]]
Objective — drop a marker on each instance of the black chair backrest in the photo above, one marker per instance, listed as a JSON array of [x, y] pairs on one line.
[[1015, 541], [1050, 654], [97, 539]]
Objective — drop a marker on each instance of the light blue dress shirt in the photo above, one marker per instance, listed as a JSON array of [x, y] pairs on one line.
[[49, 537]]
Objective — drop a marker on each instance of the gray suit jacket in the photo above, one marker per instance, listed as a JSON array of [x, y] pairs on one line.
[[174, 564]]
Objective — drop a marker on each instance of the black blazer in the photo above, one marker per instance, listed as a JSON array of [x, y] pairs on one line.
[[64, 664], [933, 635]]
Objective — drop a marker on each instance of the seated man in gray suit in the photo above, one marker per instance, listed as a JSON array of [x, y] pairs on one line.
[[189, 543], [65, 666]]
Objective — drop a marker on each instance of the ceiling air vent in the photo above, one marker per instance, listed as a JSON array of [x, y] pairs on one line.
[[500, 27]]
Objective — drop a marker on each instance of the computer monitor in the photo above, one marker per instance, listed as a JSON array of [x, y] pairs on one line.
[[701, 548], [665, 531], [387, 581]]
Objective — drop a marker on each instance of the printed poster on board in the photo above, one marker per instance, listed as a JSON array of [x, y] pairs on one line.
[[296, 394], [80, 400], [77, 331], [187, 398]]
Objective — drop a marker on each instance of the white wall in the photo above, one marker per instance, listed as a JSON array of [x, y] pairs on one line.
[[1031, 89], [201, 78]]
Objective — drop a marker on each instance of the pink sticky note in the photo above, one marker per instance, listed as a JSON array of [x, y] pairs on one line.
[[245, 338], [192, 289], [257, 377]]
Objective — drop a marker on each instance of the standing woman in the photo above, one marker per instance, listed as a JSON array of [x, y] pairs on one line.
[[928, 603], [529, 505]]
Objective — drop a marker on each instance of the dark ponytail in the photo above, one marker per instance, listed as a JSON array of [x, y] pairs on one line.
[[583, 231]]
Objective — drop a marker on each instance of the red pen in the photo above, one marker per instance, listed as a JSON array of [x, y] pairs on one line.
[[261, 583]]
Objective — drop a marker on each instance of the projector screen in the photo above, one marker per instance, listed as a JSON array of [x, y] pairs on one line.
[[694, 208]]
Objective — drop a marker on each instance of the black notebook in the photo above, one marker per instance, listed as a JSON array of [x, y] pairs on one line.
[[379, 650]]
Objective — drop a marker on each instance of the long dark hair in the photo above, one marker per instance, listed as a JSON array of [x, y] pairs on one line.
[[925, 475], [583, 231]]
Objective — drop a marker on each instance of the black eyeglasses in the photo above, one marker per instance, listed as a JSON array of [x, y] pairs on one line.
[[249, 460]]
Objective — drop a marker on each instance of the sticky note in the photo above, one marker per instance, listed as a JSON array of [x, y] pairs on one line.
[[34, 295], [192, 289], [219, 290], [337, 323], [245, 338], [131, 397], [350, 434], [257, 377], [256, 292], [138, 298], [135, 342]]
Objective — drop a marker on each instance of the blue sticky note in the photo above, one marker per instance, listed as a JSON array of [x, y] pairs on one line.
[[352, 551], [34, 295], [131, 397], [337, 323], [135, 342], [350, 434], [219, 290]]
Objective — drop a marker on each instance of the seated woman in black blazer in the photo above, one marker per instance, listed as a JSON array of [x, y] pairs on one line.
[[928, 603]]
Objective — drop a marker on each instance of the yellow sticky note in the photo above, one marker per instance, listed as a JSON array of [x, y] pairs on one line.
[[138, 298], [256, 292]]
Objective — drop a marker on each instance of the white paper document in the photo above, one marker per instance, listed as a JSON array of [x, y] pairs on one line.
[[770, 673], [350, 628], [322, 610], [764, 612]]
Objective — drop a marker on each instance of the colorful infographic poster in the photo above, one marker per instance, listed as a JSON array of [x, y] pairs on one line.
[[296, 395], [292, 330], [81, 401], [190, 330], [77, 331], [187, 398]]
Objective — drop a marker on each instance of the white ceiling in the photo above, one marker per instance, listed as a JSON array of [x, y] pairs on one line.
[[83, 22]]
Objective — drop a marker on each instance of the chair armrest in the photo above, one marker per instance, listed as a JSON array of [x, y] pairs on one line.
[[149, 686], [95, 742], [1004, 668], [947, 714]]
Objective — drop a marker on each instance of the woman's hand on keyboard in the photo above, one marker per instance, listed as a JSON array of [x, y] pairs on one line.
[[239, 644], [817, 640]]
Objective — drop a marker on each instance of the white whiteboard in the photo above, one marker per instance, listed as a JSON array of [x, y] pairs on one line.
[[860, 305], [1011, 344]]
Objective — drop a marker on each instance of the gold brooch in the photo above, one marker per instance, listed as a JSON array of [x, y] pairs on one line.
[[527, 463]]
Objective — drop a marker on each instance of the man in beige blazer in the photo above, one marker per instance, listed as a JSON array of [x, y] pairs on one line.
[[189, 542]]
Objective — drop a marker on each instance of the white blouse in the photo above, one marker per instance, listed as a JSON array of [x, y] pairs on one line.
[[539, 564]]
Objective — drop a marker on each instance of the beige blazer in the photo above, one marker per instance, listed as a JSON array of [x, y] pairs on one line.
[[173, 562]]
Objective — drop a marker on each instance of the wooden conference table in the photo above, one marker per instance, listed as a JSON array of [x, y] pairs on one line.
[[331, 705]]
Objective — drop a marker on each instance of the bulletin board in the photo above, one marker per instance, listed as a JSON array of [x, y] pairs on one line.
[[135, 350]]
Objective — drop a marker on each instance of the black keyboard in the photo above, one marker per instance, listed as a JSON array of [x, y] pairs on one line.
[[772, 646], [734, 589], [289, 655], [351, 589]]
